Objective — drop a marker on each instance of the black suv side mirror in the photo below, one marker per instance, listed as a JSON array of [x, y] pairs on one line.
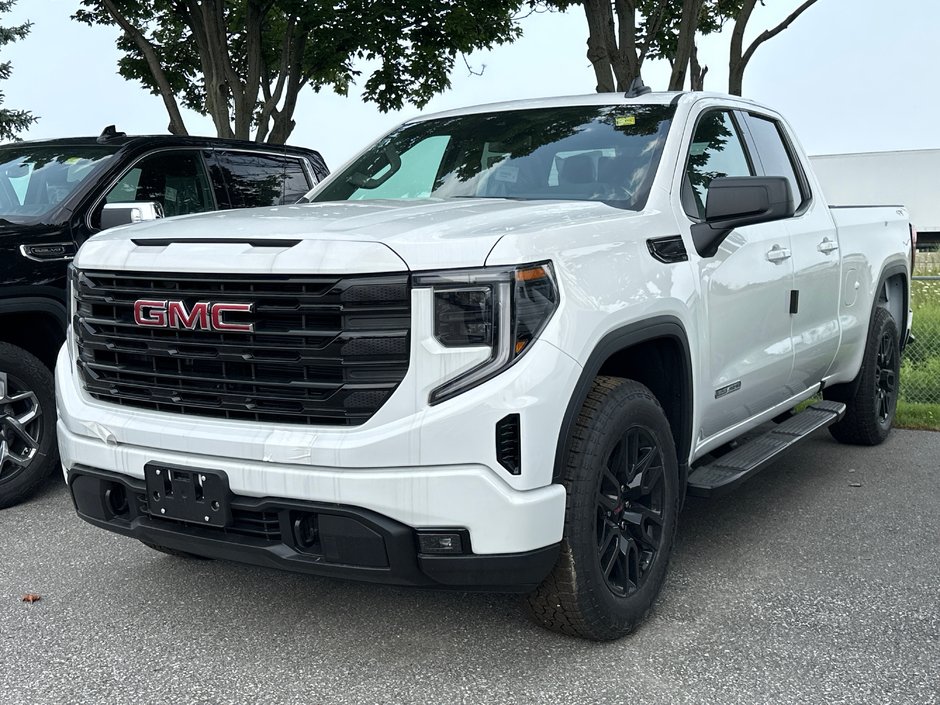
[[736, 201]]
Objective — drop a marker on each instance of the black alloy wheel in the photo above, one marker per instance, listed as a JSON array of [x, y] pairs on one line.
[[630, 500], [886, 376], [871, 399]]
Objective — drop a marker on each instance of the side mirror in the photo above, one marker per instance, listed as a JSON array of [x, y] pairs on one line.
[[736, 201], [114, 214]]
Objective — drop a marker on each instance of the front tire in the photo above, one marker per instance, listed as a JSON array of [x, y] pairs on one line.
[[621, 477], [28, 451], [870, 410]]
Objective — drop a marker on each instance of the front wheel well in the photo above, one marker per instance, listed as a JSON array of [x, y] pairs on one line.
[[654, 353], [36, 332], [660, 366]]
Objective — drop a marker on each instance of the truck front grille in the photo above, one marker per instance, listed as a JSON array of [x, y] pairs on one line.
[[323, 350]]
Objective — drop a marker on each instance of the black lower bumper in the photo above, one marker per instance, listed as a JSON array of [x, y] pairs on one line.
[[348, 542]]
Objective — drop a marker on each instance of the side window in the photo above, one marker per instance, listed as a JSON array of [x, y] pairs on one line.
[[175, 180], [774, 156], [256, 180], [717, 151]]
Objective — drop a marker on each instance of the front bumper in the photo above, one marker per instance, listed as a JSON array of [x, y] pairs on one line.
[[350, 542], [433, 469]]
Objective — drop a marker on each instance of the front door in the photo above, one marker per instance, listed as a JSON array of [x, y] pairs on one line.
[[745, 332]]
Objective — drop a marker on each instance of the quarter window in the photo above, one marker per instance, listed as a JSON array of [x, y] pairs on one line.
[[717, 151]]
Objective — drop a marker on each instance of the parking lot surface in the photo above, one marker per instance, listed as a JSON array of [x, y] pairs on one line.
[[816, 582]]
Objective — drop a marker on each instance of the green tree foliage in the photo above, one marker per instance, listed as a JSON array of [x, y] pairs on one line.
[[244, 62], [12, 122]]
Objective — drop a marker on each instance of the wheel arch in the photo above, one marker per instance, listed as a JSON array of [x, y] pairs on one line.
[[663, 346], [34, 324], [893, 293]]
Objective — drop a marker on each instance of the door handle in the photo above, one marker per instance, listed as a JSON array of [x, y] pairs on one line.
[[778, 254], [827, 246]]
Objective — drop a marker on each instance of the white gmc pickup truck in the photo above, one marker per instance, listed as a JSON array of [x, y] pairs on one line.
[[493, 352]]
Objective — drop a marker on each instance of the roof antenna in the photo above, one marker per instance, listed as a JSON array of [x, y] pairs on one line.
[[637, 88], [109, 133]]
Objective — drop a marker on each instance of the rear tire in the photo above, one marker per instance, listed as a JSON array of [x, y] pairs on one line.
[[621, 477], [28, 450], [870, 410]]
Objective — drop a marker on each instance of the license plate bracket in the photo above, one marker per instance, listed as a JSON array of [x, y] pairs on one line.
[[188, 494]]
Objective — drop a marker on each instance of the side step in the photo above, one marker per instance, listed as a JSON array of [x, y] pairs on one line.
[[745, 461]]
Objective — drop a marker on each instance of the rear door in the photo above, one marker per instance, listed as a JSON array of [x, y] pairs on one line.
[[814, 319]]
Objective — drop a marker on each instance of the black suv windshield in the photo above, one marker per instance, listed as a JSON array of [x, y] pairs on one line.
[[35, 179], [585, 153]]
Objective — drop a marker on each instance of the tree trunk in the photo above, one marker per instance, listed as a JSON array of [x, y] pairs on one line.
[[688, 25], [600, 25], [696, 71], [176, 126]]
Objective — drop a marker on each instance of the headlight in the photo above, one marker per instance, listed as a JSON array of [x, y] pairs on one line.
[[501, 308]]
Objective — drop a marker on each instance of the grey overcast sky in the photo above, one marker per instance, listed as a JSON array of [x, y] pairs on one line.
[[851, 75]]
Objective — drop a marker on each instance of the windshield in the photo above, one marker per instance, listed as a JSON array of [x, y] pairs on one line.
[[584, 153], [34, 180]]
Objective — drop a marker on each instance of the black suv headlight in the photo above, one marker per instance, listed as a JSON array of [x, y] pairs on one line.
[[502, 308]]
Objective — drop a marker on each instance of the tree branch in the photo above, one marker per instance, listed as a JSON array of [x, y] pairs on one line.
[[177, 126], [771, 33]]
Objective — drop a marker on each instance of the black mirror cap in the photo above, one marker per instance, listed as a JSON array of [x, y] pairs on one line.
[[736, 201]]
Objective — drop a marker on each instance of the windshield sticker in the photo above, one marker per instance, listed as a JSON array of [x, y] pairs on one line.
[[509, 174], [625, 121], [698, 148]]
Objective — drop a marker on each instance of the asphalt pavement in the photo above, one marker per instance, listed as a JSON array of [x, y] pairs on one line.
[[816, 582]]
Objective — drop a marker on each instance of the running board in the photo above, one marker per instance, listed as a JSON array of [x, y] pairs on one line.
[[731, 469]]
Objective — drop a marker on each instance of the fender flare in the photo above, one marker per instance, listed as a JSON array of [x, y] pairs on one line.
[[619, 339], [28, 304], [847, 390]]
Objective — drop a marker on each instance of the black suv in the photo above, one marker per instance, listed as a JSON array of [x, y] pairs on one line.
[[52, 197]]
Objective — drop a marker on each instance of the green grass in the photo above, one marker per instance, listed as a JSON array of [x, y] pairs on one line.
[[919, 403], [920, 417]]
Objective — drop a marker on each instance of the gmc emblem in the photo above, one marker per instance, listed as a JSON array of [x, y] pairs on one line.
[[203, 315]]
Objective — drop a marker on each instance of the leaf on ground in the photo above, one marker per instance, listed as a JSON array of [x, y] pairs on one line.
[[31, 597]]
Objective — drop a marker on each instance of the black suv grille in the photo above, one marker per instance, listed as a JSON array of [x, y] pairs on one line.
[[324, 350]]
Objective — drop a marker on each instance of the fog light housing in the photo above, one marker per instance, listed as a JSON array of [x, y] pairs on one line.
[[306, 531], [440, 542]]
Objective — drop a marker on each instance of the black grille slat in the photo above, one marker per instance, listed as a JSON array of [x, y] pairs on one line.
[[329, 351]]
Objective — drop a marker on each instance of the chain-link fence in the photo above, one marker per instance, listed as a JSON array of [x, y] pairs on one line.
[[920, 370]]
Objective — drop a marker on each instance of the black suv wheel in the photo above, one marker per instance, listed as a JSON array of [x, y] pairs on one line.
[[28, 452]]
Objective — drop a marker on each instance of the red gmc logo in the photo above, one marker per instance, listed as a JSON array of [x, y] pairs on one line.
[[203, 315]]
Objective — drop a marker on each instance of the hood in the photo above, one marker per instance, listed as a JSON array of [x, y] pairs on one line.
[[421, 235]]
